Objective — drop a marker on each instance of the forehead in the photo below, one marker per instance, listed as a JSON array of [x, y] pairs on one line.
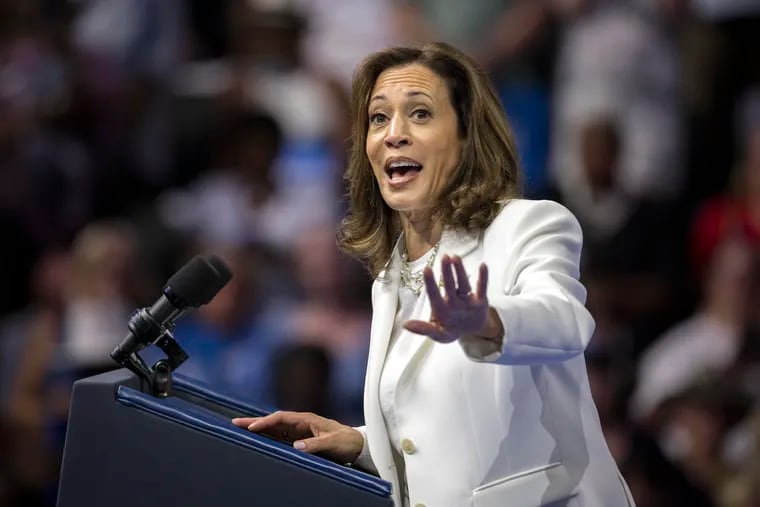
[[409, 79]]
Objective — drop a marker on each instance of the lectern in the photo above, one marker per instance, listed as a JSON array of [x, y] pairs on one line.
[[126, 447]]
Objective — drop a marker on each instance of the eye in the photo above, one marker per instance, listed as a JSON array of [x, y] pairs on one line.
[[421, 114], [377, 119]]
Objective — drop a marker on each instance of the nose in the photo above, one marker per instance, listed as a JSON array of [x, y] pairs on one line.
[[397, 134]]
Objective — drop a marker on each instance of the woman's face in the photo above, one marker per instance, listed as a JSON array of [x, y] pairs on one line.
[[413, 142]]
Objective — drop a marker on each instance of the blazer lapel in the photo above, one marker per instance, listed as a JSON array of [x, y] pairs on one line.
[[384, 304]]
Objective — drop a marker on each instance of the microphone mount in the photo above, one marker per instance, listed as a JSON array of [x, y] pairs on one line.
[[158, 376]]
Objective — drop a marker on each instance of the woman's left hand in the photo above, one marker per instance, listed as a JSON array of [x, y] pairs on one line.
[[460, 312]]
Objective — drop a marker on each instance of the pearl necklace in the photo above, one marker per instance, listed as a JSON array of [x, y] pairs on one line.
[[415, 281]]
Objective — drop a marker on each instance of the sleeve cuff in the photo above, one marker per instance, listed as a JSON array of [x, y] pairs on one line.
[[364, 460], [482, 349]]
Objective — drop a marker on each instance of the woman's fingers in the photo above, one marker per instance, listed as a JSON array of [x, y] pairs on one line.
[[280, 425], [436, 300], [308, 432], [244, 422], [267, 422], [463, 288], [482, 282], [448, 276]]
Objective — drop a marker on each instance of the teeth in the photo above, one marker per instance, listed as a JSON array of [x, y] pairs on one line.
[[394, 165]]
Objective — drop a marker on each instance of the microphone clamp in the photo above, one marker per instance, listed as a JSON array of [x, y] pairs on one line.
[[145, 330]]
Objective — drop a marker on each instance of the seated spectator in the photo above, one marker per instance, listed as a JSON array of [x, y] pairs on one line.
[[302, 379], [694, 425], [734, 212], [266, 70], [656, 481], [237, 202], [619, 57], [709, 340], [26, 465], [331, 312], [66, 341], [630, 250]]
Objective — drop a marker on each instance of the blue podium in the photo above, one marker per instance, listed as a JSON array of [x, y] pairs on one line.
[[127, 448]]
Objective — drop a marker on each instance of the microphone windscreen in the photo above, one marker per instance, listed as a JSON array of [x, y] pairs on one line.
[[225, 274], [196, 283]]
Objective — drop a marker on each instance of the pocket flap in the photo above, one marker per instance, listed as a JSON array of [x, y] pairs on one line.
[[530, 488]]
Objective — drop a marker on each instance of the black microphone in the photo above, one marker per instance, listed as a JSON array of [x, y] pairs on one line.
[[195, 284]]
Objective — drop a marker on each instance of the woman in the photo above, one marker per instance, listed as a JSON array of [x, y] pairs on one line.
[[476, 391]]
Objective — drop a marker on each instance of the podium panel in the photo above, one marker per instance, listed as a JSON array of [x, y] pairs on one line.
[[126, 448]]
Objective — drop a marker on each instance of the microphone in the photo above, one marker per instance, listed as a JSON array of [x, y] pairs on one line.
[[195, 284]]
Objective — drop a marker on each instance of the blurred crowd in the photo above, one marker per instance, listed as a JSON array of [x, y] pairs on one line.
[[137, 133]]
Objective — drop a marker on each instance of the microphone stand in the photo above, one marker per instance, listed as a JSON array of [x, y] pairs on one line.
[[161, 373], [159, 376]]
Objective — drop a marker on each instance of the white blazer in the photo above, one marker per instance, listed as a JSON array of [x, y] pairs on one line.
[[516, 428]]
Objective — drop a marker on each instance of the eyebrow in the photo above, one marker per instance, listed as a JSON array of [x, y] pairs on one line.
[[413, 93]]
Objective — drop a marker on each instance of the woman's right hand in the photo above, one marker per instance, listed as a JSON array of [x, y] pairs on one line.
[[308, 432]]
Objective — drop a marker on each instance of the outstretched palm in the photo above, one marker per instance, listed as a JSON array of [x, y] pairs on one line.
[[460, 312]]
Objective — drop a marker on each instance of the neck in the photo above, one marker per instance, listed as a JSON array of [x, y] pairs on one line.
[[421, 233]]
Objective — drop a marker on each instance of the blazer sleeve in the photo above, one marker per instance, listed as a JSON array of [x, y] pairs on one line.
[[537, 248]]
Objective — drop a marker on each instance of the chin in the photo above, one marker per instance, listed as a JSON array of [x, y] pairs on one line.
[[405, 205], [410, 198], [399, 207], [398, 202]]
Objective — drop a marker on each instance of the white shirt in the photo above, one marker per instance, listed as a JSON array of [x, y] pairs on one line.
[[400, 346]]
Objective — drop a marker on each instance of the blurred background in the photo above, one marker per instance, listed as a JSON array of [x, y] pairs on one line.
[[137, 133]]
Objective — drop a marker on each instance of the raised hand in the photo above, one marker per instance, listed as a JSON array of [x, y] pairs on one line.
[[308, 432], [460, 312]]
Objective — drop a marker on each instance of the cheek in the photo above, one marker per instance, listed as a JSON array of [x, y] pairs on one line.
[[377, 175], [376, 172], [448, 164], [372, 152], [455, 159]]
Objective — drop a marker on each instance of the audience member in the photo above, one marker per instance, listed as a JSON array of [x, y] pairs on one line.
[[709, 340], [630, 253]]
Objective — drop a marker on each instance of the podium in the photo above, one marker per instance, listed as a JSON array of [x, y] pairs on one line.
[[127, 448]]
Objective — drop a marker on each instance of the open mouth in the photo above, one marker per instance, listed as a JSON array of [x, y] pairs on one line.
[[401, 170]]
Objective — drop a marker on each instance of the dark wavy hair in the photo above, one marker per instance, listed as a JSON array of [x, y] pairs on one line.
[[488, 174]]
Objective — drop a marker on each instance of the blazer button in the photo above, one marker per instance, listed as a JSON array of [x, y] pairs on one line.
[[408, 446]]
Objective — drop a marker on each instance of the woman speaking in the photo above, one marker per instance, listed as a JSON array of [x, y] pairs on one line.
[[476, 390]]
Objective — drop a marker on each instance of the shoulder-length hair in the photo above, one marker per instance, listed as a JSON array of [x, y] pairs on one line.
[[488, 174]]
